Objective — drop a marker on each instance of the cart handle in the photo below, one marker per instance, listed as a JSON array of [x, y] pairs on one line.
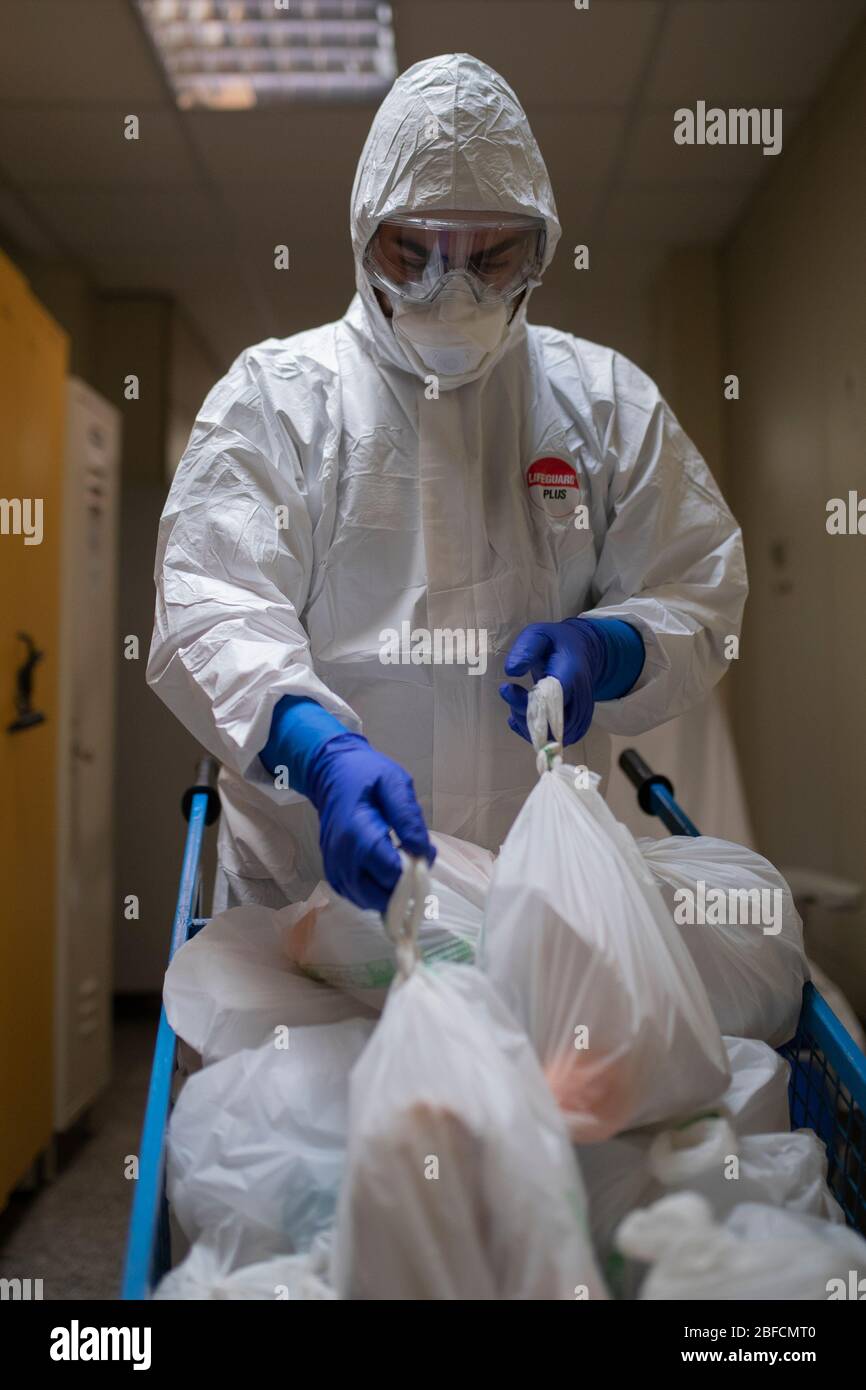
[[206, 773], [655, 794]]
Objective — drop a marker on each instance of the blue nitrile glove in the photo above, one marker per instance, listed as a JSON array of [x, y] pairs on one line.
[[359, 794], [592, 658]]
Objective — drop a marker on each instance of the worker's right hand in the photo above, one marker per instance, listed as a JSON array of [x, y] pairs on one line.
[[360, 796]]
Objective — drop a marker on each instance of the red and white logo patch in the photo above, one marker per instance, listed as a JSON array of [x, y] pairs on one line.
[[553, 486]]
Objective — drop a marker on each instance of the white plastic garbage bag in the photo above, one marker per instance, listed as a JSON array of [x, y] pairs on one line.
[[232, 985], [256, 1143], [757, 1099], [755, 1222], [759, 1253], [582, 948], [707, 1157], [616, 1180], [203, 1274], [460, 1181], [335, 942], [616, 1172], [736, 915]]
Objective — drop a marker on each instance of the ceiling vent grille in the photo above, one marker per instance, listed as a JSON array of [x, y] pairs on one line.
[[234, 54]]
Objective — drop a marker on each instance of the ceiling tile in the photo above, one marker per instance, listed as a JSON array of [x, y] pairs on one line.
[[579, 145], [551, 53], [86, 146], [302, 215], [87, 51], [21, 230], [94, 223], [757, 52], [303, 142]]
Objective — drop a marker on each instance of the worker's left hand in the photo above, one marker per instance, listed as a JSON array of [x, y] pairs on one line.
[[574, 652]]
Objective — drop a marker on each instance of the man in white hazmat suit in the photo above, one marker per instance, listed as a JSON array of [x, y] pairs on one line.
[[429, 464]]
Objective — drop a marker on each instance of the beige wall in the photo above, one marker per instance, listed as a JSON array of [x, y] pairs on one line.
[[795, 314], [687, 349], [155, 755], [687, 353], [610, 303], [192, 372]]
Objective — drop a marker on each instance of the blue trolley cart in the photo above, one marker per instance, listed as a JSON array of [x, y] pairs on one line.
[[827, 1090]]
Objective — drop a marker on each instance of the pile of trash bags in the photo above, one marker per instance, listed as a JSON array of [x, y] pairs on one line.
[[545, 1075]]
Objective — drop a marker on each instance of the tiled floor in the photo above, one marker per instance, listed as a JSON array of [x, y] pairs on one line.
[[71, 1233]]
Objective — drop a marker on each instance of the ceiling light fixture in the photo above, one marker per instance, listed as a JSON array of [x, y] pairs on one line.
[[234, 54]]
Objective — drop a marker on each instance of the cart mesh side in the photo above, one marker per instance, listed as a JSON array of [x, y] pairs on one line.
[[827, 1093]]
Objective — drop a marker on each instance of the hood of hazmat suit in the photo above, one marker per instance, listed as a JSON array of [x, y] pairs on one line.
[[451, 135], [339, 527]]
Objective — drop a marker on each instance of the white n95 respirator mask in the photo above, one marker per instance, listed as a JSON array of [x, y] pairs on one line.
[[452, 335]]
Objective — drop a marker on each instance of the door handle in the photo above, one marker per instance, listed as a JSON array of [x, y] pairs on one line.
[[26, 716]]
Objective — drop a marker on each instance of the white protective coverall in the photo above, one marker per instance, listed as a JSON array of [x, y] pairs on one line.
[[432, 511]]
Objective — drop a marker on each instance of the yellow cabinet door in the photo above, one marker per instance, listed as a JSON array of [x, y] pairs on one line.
[[33, 355]]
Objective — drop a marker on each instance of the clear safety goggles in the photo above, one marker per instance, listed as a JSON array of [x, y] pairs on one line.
[[415, 256]]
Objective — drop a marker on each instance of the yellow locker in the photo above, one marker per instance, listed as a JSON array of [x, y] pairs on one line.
[[33, 358]]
